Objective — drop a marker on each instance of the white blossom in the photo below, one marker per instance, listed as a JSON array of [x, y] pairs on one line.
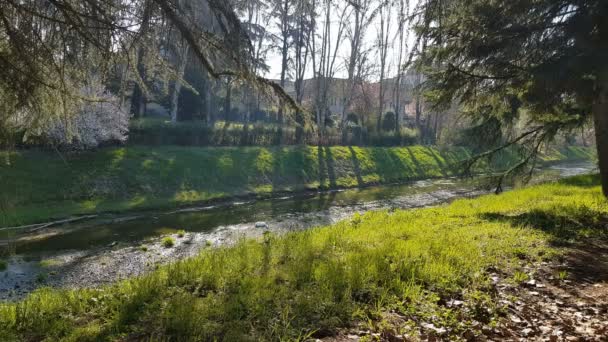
[[98, 120]]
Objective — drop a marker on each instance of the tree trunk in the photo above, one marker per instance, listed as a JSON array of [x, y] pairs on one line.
[[177, 87], [228, 102], [600, 120]]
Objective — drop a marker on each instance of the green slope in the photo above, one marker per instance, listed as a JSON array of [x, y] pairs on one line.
[[38, 186]]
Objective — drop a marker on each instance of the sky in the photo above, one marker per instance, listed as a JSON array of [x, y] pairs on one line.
[[274, 57]]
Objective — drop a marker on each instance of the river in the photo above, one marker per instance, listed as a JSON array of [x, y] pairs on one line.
[[112, 247]]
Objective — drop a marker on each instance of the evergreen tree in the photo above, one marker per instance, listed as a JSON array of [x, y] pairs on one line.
[[543, 61]]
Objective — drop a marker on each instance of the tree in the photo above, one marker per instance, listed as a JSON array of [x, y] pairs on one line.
[[362, 17], [324, 58], [256, 21], [304, 29], [401, 63], [543, 61], [383, 45], [283, 11], [50, 49]]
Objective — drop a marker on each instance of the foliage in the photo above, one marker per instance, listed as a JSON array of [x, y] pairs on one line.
[[352, 118], [198, 133], [541, 62], [405, 137], [315, 281], [48, 52], [388, 121], [98, 121], [119, 179]]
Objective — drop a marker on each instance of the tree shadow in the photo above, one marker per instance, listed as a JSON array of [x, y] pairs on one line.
[[440, 162], [290, 168], [585, 181], [418, 166], [571, 225], [326, 167], [356, 166], [581, 229], [329, 162]]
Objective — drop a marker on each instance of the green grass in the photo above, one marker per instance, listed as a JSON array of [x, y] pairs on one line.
[[39, 186], [312, 282], [47, 263], [168, 242]]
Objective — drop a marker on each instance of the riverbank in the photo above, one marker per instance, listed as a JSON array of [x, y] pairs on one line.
[[455, 271], [38, 186]]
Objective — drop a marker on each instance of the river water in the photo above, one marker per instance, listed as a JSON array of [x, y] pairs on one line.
[[110, 247]]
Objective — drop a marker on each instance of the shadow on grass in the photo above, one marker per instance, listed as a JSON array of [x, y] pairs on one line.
[[588, 181], [356, 166], [582, 230], [326, 167], [566, 225], [439, 160]]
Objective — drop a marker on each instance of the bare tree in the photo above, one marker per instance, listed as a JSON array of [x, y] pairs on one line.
[[382, 41], [362, 16], [324, 64], [401, 67]]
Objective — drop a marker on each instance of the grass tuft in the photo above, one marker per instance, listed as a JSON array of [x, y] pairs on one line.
[[168, 242]]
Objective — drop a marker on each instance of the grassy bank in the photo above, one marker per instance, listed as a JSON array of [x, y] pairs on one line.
[[313, 282], [39, 186]]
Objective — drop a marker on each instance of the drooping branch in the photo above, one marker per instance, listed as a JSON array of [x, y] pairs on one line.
[[243, 73]]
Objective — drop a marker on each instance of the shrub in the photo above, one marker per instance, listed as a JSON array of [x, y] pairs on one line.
[[199, 133], [3, 265], [352, 118], [99, 120], [168, 242], [404, 137], [388, 121]]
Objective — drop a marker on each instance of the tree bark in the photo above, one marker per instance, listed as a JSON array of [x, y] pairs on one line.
[[600, 121]]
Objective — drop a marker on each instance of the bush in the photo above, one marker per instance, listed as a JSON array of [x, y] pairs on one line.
[[198, 133], [96, 122], [388, 121], [352, 118], [405, 137]]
